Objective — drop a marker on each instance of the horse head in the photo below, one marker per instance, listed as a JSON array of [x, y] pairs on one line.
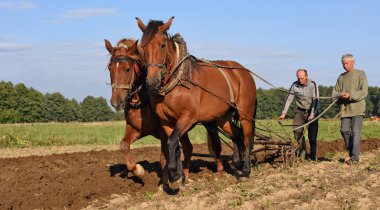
[[124, 67], [154, 45]]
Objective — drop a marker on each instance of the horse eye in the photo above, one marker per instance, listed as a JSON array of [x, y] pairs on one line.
[[162, 45], [128, 69]]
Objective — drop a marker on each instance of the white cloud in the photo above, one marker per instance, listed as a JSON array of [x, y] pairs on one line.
[[87, 13], [8, 46], [21, 5]]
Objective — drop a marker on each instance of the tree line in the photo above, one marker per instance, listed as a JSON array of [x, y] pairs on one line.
[[22, 104]]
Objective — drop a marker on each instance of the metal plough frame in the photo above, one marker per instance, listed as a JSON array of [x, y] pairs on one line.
[[280, 149]]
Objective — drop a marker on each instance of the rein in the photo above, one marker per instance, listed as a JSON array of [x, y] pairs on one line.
[[262, 79]]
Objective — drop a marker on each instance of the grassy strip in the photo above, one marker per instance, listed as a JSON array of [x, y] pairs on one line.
[[110, 133]]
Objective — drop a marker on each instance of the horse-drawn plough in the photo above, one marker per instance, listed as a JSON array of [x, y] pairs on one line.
[[275, 148]]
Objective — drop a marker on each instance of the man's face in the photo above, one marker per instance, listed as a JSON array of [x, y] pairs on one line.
[[348, 64], [302, 78]]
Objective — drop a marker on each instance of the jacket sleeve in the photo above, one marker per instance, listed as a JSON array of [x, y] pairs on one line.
[[362, 92], [289, 100]]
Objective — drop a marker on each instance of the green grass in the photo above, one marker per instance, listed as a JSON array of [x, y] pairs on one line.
[[110, 133]]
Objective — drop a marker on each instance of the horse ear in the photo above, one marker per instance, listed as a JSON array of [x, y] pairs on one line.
[[108, 46], [136, 46], [167, 25], [136, 42], [141, 25]]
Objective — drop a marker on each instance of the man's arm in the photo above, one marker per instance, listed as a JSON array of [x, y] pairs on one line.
[[362, 93], [288, 101]]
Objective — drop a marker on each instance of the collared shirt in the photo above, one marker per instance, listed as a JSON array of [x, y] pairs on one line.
[[355, 83], [304, 96]]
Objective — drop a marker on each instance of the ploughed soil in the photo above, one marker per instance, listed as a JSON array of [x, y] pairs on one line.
[[98, 179]]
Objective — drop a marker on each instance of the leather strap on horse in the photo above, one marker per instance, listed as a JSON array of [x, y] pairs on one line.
[[232, 96], [173, 82]]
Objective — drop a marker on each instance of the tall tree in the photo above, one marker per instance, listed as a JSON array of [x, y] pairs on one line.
[[95, 109]]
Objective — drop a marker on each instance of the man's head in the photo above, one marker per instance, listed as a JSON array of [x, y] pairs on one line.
[[302, 76], [348, 62]]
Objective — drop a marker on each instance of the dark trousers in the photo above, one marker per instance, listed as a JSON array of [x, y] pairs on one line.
[[300, 118], [351, 130]]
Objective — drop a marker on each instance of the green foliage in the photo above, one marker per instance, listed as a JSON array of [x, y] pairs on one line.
[[21, 104], [270, 103], [149, 195], [95, 109], [111, 133], [11, 141]]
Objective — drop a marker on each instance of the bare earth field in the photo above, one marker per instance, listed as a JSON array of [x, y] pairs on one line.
[[95, 178]]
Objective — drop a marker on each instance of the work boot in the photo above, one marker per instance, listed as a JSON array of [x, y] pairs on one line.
[[302, 154], [314, 159], [351, 162]]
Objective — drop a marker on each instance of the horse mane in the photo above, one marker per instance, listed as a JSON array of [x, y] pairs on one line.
[[190, 63], [130, 50], [150, 31], [152, 28]]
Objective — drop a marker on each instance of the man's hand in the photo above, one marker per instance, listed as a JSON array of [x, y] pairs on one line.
[[311, 117], [281, 117], [345, 95]]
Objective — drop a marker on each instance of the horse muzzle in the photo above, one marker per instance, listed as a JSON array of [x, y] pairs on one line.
[[153, 85], [118, 104]]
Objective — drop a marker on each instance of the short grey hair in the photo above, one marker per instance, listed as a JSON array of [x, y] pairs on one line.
[[347, 57], [304, 70]]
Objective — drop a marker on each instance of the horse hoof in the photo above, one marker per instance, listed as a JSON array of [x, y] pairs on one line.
[[139, 171], [176, 184], [243, 179]]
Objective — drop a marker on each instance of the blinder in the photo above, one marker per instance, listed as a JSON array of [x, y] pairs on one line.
[[121, 59]]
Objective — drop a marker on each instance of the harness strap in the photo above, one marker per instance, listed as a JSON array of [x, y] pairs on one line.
[[176, 80], [232, 96]]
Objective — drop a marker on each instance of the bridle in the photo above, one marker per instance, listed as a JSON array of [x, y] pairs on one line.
[[130, 86], [160, 65], [125, 59]]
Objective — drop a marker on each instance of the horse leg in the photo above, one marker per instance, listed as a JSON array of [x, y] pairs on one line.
[[235, 133], [212, 133], [247, 127], [130, 136], [187, 149], [163, 158], [175, 171]]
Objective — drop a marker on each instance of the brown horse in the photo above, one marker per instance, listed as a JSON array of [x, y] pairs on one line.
[[200, 93], [129, 93]]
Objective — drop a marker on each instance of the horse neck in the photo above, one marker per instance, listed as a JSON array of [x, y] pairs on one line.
[[141, 83], [175, 54]]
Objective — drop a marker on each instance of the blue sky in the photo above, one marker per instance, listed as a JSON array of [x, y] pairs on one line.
[[58, 46]]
